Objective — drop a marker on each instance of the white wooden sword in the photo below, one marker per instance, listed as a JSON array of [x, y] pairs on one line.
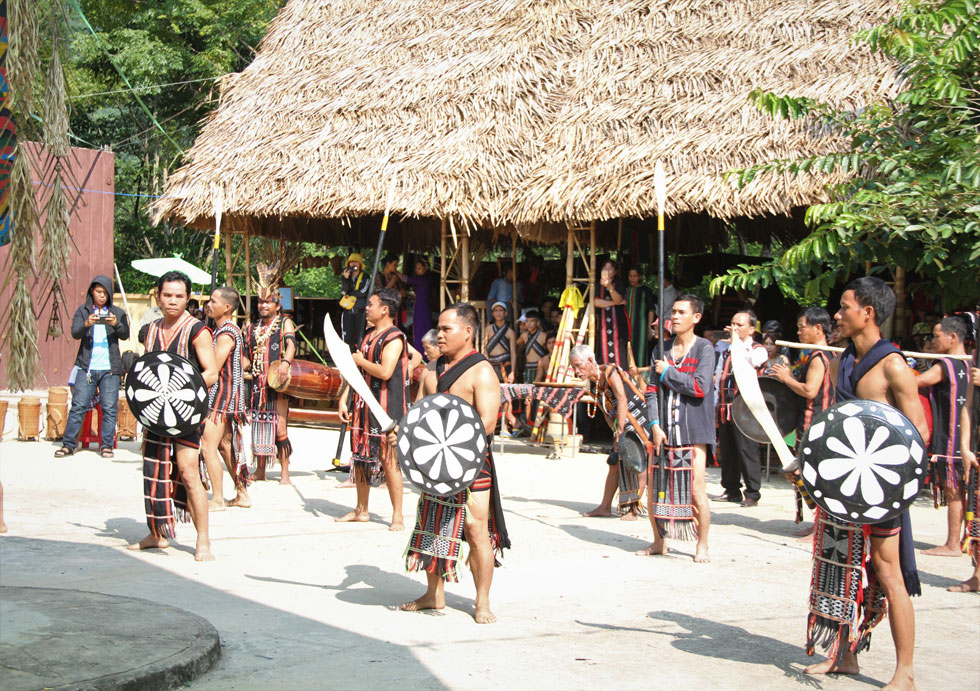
[[342, 358]]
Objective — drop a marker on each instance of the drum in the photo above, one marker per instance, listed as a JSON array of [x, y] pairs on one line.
[[308, 380], [166, 394], [442, 444], [862, 461], [783, 404]]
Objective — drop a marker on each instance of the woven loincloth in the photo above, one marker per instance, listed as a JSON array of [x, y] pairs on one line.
[[672, 497], [560, 400], [264, 423], [164, 494], [843, 608], [945, 472]]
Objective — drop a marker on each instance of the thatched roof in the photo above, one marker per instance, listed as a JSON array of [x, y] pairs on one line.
[[522, 113]]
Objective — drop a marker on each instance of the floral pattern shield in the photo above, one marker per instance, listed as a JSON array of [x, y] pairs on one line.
[[441, 444], [862, 461], [166, 394]]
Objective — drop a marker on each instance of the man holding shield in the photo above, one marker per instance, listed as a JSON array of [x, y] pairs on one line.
[[476, 514], [870, 368]]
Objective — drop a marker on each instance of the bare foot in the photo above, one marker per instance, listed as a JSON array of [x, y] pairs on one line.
[[202, 552], [397, 524], [216, 505], [701, 556], [483, 615], [3, 527], [285, 480], [599, 512], [829, 666], [901, 682], [629, 515], [653, 550], [427, 601], [347, 483], [804, 532], [970, 585], [241, 501], [944, 551], [150, 542], [259, 474], [354, 516]]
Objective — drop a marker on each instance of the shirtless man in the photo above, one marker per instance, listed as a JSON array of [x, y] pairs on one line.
[[948, 379], [226, 399], [176, 332], [971, 584], [535, 345], [865, 304], [501, 351], [476, 383]]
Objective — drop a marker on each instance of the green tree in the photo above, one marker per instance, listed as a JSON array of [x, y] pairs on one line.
[[173, 53], [913, 200]]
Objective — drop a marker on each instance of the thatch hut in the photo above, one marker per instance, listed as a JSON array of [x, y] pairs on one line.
[[526, 117]]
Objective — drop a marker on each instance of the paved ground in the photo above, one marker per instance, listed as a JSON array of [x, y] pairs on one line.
[[303, 602]]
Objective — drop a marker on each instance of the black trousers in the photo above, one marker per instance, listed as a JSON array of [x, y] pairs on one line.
[[352, 327], [739, 462]]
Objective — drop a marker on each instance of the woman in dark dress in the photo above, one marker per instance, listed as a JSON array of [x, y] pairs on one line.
[[613, 326], [422, 310]]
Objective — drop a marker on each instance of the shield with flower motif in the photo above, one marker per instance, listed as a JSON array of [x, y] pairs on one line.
[[166, 394], [442, 444], [862, 461]]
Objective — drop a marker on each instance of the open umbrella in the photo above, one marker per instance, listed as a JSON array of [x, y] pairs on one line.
[[161, 265]]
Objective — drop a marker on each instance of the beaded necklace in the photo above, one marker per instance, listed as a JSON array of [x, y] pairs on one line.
[[262, 336]]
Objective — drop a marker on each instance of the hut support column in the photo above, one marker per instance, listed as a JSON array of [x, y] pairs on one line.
[[513, 264], [442, 267], [578, 236], [229, 264], [248, 275], [464, 276]]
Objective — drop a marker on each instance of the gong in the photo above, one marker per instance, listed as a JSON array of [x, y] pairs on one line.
[[862, 461], [632, 452], [783, 404], [442, 444], [166, 394]]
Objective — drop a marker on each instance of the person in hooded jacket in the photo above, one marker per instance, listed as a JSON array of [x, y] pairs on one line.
[[98, 325]]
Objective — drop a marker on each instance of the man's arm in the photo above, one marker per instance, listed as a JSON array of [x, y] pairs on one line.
[[622, 403], [967, 429], [757, 356], [426, 381], [122, 326], [930, 377], [414, 358], [486, 395], [901, 383], [205, 355], [222, 349], [80, 324], [810, 387], [289, 329], [389, 360]]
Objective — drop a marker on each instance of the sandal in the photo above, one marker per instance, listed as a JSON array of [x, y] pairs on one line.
[[107, 453], [63, 451]]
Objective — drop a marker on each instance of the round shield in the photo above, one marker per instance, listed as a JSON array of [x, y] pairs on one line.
[[166, 394], [632, 452], [862, 461], [780, 400], [442, 444]]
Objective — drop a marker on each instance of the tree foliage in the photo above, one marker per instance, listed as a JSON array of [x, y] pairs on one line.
[[913, 196], [172, 52]]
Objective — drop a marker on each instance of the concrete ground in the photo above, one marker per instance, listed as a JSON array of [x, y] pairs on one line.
[[302, 602]]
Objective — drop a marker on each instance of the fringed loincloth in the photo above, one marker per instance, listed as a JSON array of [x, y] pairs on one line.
[[945, 473], [629, 486], [264, 423], [843, 608], [164, 494], [672, 493]]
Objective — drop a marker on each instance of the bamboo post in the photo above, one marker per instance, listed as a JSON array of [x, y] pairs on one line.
[[513, 264], [229, 264], [248, 274], [464, 282], [570, 258], [442, 267]]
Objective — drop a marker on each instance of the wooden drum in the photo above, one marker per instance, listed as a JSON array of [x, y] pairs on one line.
[[125, 420], [308, 380]]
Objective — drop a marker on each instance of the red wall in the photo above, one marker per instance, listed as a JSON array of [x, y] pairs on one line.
[[91, 205]]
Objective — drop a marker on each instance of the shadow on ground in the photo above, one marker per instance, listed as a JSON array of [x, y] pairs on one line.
[[135, 577]]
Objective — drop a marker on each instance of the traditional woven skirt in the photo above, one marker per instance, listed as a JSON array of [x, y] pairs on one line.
[[672, 493], [264, 423], [846, 601], [629, 488], [945, 472]]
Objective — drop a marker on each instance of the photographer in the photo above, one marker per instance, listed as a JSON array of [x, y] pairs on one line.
[[99, 326], [355, 288]]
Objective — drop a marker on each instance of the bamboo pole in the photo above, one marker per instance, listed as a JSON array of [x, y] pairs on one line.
[[464, 283], [442, 267], [570, 258], [248, 275], [229, 264], [906, 353]]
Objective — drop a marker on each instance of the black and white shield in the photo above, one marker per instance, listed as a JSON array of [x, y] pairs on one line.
[[166, 394], [441, 444], [862, 461]]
